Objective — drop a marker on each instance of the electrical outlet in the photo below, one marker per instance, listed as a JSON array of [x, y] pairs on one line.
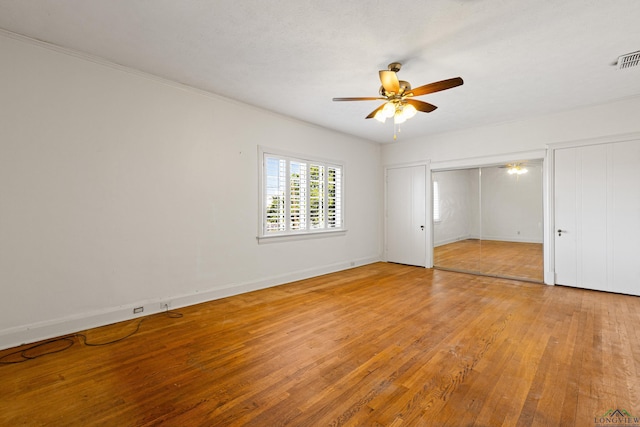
[[165, 306], [138, 310]]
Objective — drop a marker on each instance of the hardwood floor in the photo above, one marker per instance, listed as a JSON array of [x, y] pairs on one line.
[[513, 260], [379, 345]]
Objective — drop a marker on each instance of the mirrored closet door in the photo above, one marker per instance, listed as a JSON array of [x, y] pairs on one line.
[[488, 220]]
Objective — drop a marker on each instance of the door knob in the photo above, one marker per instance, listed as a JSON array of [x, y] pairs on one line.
[[561, 231], [422, 227]]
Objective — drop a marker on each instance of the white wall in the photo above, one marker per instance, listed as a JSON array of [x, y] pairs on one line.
[[503, 207], [459, 207], [118, 190], [511, 207], [534, 133]]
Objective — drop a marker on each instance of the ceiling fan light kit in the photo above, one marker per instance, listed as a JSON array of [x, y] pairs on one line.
[[398, 96], [400, 112], [516, 169]]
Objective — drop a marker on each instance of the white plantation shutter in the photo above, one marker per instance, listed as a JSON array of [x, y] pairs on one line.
[[300, 196], [436, 201], [316, 196], [334, 197], [275, 196]]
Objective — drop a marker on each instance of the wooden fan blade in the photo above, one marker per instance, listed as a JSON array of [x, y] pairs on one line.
[[425, 107], [437, 86], [373, 113], [389, 81], [371, 98]]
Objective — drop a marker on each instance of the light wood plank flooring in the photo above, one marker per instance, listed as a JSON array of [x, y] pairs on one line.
[[514, 260], [379, 345]]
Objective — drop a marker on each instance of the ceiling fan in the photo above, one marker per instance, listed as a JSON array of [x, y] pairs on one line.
[[399, 95]]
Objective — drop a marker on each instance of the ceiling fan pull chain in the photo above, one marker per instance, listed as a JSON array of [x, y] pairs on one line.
[[396, 130]]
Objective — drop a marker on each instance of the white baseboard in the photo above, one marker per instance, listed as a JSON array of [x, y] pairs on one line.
[[496, 238], [451, 240], [549, 278], [30, 333], [512, 239]]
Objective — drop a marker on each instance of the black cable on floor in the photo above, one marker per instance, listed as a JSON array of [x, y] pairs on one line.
[[68, 340]]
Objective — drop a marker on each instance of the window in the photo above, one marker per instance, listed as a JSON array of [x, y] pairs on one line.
[[300, 196], [436, 202]]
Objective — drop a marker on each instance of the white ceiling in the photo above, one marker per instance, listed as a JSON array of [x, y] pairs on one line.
[[517, 58]]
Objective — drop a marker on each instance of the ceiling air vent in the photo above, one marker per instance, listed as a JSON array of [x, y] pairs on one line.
[[629, 60]]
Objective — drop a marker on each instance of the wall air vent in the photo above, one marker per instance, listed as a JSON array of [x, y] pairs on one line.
[[629, 60]]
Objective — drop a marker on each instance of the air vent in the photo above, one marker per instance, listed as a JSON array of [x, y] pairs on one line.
[[629, 60]]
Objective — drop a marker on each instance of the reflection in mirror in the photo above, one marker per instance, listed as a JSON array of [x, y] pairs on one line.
[[488, 220]]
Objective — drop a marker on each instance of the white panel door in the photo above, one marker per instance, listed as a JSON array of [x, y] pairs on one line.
[[592, 217], [625, 218], [581, 217], [597, 217], [566, 206], [406, 216]]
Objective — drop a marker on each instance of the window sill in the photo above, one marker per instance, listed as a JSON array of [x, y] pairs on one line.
[[288, 237]]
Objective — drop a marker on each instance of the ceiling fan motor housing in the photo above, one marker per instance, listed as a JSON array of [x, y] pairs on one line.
[[404, 87], [394, 66]]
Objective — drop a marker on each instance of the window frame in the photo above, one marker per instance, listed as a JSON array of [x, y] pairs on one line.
[[287, 233]]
